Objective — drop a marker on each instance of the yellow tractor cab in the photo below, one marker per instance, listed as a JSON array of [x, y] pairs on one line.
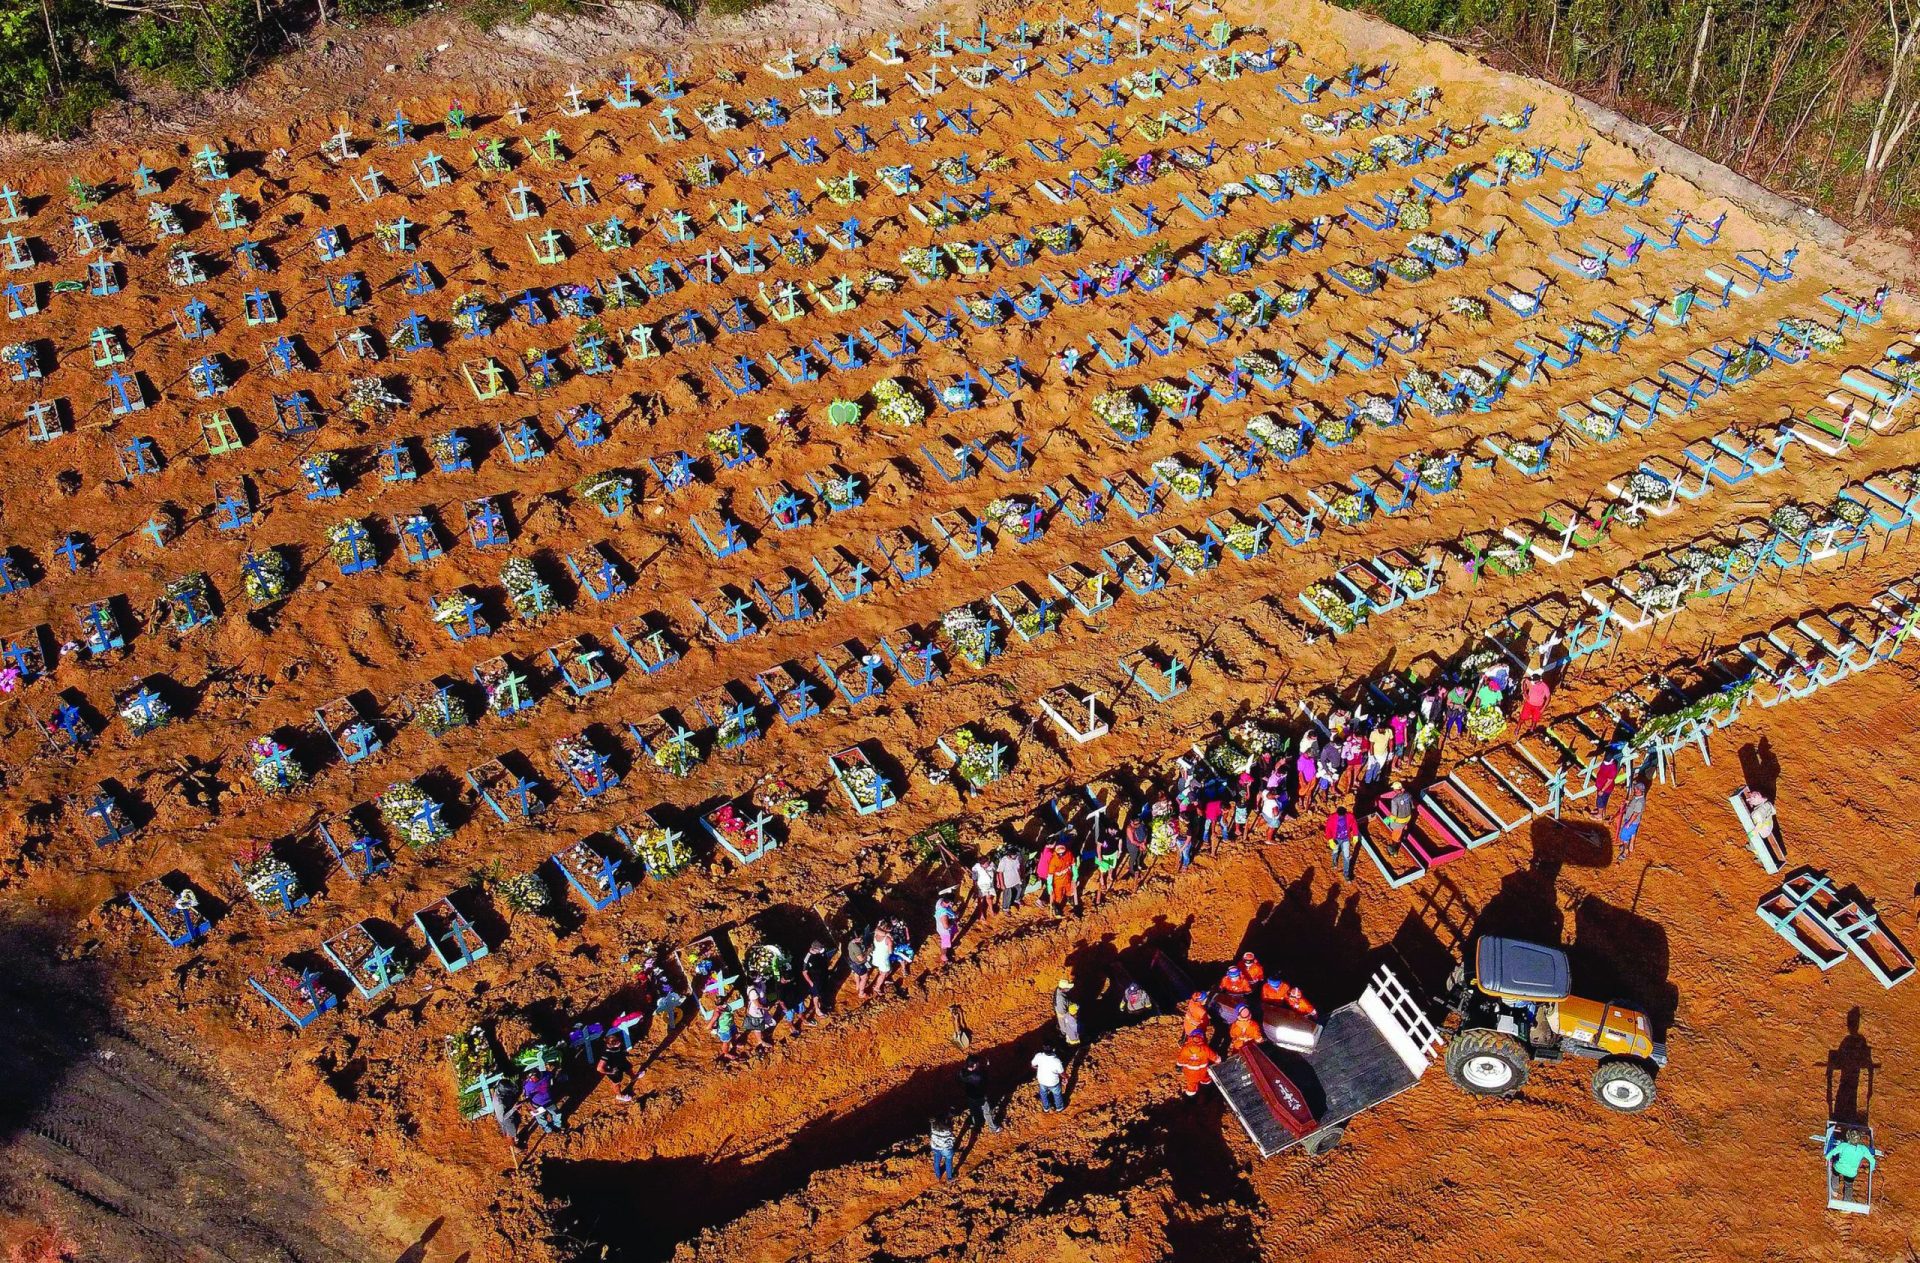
[[1519, 1007]]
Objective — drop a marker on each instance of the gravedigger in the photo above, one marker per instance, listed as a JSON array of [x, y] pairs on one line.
[[1518, 1008]]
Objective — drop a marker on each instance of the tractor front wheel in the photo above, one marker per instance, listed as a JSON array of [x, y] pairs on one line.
[[1623, 1085], [1487, 1062], [1323, 1141]]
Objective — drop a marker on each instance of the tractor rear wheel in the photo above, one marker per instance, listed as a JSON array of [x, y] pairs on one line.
[[1623, 1085], [1323, 1141], [1487, 1062]]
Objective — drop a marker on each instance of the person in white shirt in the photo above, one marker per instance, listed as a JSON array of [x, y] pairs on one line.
[[1048, 1073]]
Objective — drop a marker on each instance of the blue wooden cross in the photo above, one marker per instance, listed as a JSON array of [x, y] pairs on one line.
[[234, 511], [73, 549], [486, 525]]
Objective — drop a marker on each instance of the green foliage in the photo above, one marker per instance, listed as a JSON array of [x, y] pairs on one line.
[[488, 14], [1783, 91]]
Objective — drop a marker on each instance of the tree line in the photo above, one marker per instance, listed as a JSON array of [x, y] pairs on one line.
[[1818, 99]]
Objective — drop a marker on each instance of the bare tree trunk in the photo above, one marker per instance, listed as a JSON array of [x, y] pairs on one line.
[[1782, 60], [1881, 142], [1693, 75], [53, 42]]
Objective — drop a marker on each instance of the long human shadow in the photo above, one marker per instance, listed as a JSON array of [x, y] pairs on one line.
[[639, 1210]]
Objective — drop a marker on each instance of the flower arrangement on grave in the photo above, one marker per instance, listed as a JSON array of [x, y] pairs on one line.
[[1849, 512], [442, 713], [346, 541], [730, 825], [876, 282], [145, 712], [975, 760], [1590, 330], [1189, 158], [1190, 483], [1661, 594], [777, 796], [1247, 241], [1810, 333], [1117, 410], [542, 373], [676, 758], [526, 592], [1334, 606], [1238, 304], [471, 1055], [923, 262], [1511, 120], [1007, 512], [1366, 162], [1333, 429], [275, 770], [1394, 148], [724, 443], [1162, 837], [765, 960], [796, 252], [1254, 737], [1294, 301], [1156, 265], [1354, 274], [1428, 389], [1152, 129], [368, 400], [1243, 538], [840, 491], [1747, 361], [965, 632], [1474, 309], [898, 405], [180, 597], [523, 892], [1161, 394], [1436, 470], [1190, 555], [1485, 723], [448, 447], [700, 172], [862, 783], [1269, 183], [577, 758], [1032, 620], [941, 842], [266, 576], [1410, 267], [605, 491], [411, 814], [608, 236], [737, 725], [1519, 161], [1440, 249], [1280, 438], [1054, 236], [1643, 487], [657, 848], [1595, 425], [1507, 559], [1322, 127], [262, 872]]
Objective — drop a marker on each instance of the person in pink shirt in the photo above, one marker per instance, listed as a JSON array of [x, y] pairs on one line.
[[1533, 705], [1309, 770]]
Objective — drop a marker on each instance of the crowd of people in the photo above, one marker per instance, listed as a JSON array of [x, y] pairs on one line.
[[1349, 777]]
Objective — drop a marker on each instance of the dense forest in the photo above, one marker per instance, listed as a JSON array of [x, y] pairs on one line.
[[1817, 98]]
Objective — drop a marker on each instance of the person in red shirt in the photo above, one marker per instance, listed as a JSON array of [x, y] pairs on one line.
[[1244, 1030], [1605, 777], [1193, 1059], [1235, 984], [1343, 832], [1297, 1001], [1533, 705]]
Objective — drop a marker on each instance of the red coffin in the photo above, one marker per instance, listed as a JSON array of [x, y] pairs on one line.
[[1282, 1097]]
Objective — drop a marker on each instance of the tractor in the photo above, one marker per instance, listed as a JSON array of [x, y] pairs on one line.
[[1518, 1008]]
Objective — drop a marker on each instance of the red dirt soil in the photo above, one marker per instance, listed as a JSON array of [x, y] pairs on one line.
[[817, 1149]]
